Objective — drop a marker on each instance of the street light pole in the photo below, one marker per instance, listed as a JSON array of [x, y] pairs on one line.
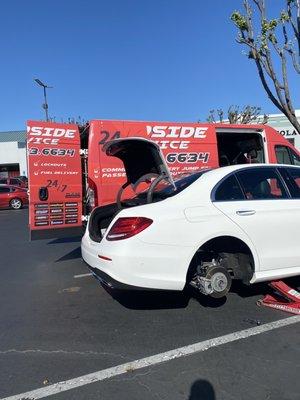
[[45, 105]]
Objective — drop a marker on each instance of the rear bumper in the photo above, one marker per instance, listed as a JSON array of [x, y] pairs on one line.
[[136, 265], [111, 283]]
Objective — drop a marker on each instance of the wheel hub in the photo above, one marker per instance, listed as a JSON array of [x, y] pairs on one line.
[[219, 282], [15, 203], [213, 280]]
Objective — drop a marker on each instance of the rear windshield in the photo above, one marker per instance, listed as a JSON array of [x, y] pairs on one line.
[[165, 189]]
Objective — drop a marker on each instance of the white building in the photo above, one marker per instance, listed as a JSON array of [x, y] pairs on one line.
[[13, 154], [282, 125]]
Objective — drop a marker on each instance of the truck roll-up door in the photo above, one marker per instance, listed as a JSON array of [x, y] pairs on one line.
[[54, 180]]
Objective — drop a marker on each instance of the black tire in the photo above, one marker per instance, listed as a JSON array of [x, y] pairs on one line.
[[16, 203]]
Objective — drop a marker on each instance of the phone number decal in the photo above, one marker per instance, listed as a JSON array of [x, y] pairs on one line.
[[34, 151], [190, 158]]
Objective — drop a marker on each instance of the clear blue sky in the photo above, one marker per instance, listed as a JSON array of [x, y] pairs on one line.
[[123, 59]]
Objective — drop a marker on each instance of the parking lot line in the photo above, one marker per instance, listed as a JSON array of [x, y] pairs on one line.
[[83, 275], [152, 360]]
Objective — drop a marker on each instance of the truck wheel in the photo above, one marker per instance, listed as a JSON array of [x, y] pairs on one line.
[[16, 204]]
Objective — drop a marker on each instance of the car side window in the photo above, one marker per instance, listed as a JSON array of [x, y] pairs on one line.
[[15, 182], [292, 179], [3, 181], [4, 190], [262, 184], [229, 190]]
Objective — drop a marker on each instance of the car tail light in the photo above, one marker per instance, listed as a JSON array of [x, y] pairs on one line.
[[127, 227]]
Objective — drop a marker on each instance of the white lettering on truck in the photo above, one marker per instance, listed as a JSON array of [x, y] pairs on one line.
[[40, 140], [174, 144], [184, 132], [51, 132]]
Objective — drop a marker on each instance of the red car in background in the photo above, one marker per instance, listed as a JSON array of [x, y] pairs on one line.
[[12, 181], [13, 196]]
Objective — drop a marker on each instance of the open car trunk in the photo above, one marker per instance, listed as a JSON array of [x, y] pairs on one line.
[[143, 162], [101, 217]]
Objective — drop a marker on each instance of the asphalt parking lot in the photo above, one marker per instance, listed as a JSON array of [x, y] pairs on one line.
[[56, 325]]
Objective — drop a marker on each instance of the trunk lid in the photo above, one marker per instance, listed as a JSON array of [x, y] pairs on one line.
[[142, 159]]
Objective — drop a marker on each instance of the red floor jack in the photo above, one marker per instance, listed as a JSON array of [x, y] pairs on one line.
[[284, 298]]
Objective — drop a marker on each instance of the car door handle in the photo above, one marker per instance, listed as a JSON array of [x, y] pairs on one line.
[[245, 212]]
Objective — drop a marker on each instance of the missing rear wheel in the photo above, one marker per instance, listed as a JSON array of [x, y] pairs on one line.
[[212, 279]]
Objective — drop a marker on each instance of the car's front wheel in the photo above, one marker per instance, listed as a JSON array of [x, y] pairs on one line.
[[16, 204]]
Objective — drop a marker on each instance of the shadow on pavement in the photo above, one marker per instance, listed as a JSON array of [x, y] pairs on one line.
[[72, 255], [245, 291], [202, 390], [155, 300], [66, 240], [261, 288]]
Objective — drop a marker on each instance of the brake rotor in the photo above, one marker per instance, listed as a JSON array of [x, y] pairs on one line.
[[220, 281]]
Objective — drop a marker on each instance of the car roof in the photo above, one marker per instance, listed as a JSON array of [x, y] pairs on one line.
[[223, 171], [257, 165]]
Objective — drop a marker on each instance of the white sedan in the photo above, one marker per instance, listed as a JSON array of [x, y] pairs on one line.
[[204, 229]]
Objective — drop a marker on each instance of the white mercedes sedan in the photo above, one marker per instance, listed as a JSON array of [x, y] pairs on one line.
[[204, 229]]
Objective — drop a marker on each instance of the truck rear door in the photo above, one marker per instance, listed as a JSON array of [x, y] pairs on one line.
[[54, 180]]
